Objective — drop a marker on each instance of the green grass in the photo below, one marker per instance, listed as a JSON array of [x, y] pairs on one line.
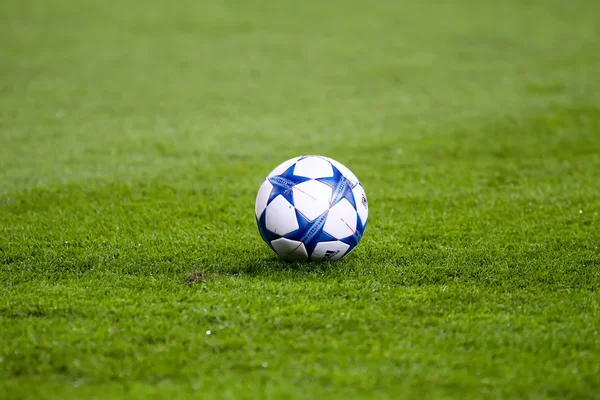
[[133, 139]]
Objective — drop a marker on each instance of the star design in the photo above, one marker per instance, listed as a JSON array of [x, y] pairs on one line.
[[284, 183], [310, 232], [342, 188]]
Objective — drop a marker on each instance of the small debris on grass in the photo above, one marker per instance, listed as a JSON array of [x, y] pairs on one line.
[[195, 277]]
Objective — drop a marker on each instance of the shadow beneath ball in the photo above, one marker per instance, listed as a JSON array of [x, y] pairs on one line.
[[276, 266]]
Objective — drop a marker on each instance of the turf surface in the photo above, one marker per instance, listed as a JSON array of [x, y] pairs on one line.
[[133, 138]]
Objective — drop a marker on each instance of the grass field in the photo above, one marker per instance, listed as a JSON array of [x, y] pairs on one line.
[[134, 136]]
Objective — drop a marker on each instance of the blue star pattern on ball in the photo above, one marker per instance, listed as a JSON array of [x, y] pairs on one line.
[[310, 233], [342, 188], [284, 183]]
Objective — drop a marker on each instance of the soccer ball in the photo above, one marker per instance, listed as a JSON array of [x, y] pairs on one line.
[[311, 208]]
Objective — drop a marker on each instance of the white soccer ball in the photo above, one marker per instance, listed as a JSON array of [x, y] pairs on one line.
[[311, 208]]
